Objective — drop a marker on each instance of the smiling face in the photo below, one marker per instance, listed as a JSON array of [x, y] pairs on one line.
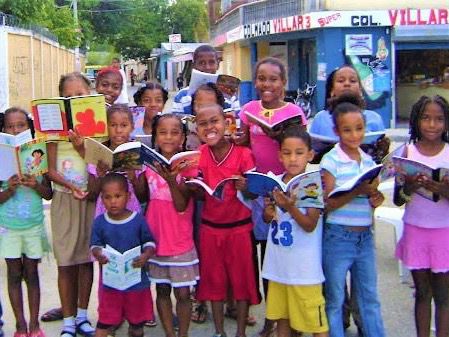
[[350, 129], [270, 85], [153, 101], [346, 81], [109, 85], [15, 123], [210, 125], [169, 136], [294, 154], [206, 62], [115, 198], [119, 128], [432, 123]]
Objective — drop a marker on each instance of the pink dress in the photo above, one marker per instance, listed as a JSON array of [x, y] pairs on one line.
[[264, 148], [425, 242]]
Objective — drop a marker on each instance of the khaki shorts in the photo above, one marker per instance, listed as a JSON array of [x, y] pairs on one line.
[[17, 242], [302, 305]]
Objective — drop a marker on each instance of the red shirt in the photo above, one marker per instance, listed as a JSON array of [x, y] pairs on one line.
[[238, 160]]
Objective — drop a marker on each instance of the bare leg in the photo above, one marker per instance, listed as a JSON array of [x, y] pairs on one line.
[[31, 276], [218, 315], [164, 308], [15, 276], [283, 328], [242, 314], [183, 308], [440, 290], [68, 289], [101, 332], [423, 298], [85, 280]]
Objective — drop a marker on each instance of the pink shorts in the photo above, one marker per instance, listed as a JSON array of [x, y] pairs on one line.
[[115, 305], [424, 248], [226, 259]]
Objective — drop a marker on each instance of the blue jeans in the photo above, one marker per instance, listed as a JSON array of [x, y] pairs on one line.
[[343, 251]]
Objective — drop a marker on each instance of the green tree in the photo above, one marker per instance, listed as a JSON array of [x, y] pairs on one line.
[[189, 18]]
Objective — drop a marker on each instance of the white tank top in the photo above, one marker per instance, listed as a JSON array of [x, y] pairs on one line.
[[293, 256]]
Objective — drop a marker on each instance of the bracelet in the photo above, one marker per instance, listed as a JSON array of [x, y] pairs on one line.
[[403, 195]]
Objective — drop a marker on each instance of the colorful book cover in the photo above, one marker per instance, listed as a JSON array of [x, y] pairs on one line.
[[270, 118], [54, 117], [217, 191]]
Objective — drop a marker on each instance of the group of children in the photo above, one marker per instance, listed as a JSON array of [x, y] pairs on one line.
[[157, 210]]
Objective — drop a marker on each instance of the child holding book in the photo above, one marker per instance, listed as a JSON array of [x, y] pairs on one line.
[[348, 239], [153, 97], [169, 215], [225, 243], [71, 220], [121, 229], [23, 240], [292, 261], [424, 245], [109, 82]]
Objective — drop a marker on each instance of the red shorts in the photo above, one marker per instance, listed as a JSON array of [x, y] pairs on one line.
[[226, 259], [115, 305]]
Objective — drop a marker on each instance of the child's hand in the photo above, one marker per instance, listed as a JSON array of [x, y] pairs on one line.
[[412, 182], [269, 208], [165, 172], [439, 187], [376, 199], [101, 258], [271, 133], [13, 183], [282, 200], [240, 183], [76, 139], [78, 194], [102, 169], [367, 188], [29, 181], [139, 262]]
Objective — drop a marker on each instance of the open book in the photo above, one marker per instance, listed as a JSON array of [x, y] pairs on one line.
[[54, 117], [119, 273], [369, 175], [216, 192], [138, 113], [124, 157], [272, 118], [306, 187], [199, 78], [21, 154], [406, 166], [388, 170], [228, 85], [182, 161]]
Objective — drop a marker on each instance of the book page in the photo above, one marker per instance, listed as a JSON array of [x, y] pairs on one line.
[[50, 117], [308, 190], [95, 152], [198, 78], [9, 162], [89, 115], [33, 158], [118, 273]]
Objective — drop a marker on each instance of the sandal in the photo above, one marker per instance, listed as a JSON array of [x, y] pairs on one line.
[[199, 312], [83, 332], [150, 324], [231, 312], [20, 334], [52, 315], [66, 333], [37, 333]]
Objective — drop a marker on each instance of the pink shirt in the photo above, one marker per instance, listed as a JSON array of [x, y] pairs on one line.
[[265, 149], [238, 160], [132, 205], [172, 230], [420, 211]]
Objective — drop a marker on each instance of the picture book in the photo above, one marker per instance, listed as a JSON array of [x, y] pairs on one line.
[[228, 85], [138, 113], [199, 78], [230, 124], [185, 162], [54, 117], [369, 174], [124, 157], [216, 192], [388, 169], [271, 118], [119, 273], [406, 166], [306, 187], [22, 155]]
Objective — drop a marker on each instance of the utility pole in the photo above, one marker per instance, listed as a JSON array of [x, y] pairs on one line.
[[77, 49]]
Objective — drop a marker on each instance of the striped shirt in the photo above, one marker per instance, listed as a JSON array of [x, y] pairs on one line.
[[357, 212]]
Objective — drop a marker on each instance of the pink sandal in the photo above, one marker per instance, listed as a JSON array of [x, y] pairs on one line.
[[37, 333]]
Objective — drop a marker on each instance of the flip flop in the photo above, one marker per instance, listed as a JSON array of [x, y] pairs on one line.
[[52, 315], [80, 331]]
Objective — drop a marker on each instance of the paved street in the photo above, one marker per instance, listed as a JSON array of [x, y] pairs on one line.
[[396, 298]]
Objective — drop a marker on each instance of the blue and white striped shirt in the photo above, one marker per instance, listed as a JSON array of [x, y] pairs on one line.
[[357, 212]]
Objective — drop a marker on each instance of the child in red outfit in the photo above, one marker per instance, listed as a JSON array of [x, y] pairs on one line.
[[226, 250]]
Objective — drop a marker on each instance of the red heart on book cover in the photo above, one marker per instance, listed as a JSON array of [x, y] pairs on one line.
[[87, 125]]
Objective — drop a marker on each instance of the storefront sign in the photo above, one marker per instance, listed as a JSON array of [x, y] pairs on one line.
[[416, 17], [363, 21], [219, 40], [234, 34], [291, 23], [257, 29], [359, 44]]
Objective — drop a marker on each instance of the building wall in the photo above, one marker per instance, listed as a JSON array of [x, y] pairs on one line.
[[236, 61], [32, 66], [383, 4]]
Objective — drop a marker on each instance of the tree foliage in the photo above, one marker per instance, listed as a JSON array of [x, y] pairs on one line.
[[132, 27]]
